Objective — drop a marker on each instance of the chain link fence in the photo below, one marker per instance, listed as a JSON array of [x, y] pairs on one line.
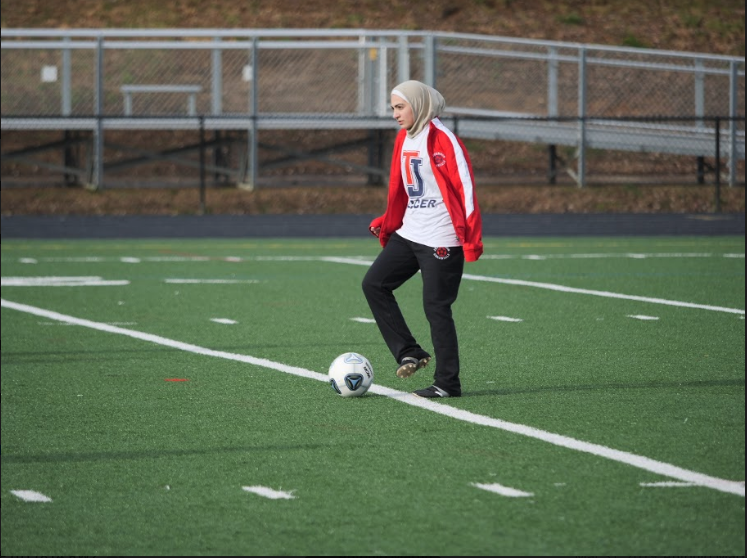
[[109, 108]]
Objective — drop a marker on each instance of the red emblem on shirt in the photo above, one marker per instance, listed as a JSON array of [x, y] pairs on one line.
[[441, 253]]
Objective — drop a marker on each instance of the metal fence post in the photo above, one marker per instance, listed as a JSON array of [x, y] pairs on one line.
[[202, 164], [98, 141], [403, 59], [361, 83], [552, 81], [66, 94], [382, 74], [581, 179], [430, 61], [252, 138], [217, 79], [717, 204], [733, 102]]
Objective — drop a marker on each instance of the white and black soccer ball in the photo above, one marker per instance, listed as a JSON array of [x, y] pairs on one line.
[[350, 375]]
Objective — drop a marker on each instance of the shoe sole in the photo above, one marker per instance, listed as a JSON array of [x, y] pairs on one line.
[[434, 395], [407, 370]]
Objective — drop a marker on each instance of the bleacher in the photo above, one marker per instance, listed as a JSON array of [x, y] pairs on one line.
[[588, 97]]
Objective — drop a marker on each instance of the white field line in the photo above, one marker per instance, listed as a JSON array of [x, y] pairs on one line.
[[564, 289], [59, 282], [634, 460], [665, 484], [517, 282], [212, 281], [30, 496], [269, 492], [535, 257], [503, 490], [505, 319], [607, 294]]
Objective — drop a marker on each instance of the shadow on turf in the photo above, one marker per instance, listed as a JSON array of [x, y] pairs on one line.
[[55, 357], [149, 454], [599, 387]]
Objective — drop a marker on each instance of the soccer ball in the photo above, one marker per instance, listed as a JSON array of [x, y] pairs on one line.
[[350, 375]]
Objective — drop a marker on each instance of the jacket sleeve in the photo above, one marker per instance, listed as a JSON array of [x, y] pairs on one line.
[[457, 183], [396, 203], [473, 247]]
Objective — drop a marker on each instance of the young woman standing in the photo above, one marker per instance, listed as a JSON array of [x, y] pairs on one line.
[[432, 224]]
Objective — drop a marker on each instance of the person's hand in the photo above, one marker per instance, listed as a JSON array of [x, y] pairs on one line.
[[375, 230]]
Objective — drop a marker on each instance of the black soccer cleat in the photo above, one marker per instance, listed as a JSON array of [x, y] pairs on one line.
[[434, 392], [410, 365]]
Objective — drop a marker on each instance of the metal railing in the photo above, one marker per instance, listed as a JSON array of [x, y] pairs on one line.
[[498, 88]]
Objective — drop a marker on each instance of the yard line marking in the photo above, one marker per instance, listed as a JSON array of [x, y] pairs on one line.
[[170, 259], [52, 279], [562, 288], [223, 321], [59, 282], [607, 294], [536, 257], [352, 261], [58, 324], [269, 492], [641, 462], [363, 320], [30, 496], [642, 317], [505, 319], [592, 256], [211, 281], [503, 490], [665, 484]]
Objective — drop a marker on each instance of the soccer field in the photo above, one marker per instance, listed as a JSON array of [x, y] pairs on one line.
[[170, 397]]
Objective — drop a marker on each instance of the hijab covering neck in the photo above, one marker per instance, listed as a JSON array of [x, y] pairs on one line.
[[426, 103]]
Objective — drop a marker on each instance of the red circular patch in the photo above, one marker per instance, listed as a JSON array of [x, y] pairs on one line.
[[441, 253]]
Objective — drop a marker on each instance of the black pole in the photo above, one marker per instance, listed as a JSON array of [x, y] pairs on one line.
[[552, 172], [701, 170], [202, 165], [717, 204]]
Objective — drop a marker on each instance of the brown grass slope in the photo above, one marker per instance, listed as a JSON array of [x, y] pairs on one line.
[[711, 26]]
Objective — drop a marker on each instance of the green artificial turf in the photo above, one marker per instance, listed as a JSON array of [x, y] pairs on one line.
[[143, 419]]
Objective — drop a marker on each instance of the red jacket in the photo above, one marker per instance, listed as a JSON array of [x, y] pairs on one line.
[[460, 201]]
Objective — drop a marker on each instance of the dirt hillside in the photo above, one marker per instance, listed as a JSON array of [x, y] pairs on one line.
[[712, 26]]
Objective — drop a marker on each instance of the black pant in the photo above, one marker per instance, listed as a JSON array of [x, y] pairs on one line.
[[441, 270]]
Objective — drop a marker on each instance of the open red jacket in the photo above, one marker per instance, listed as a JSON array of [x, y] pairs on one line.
[[459, 196]]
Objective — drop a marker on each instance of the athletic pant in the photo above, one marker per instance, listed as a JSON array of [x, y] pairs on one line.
[[441, 270]]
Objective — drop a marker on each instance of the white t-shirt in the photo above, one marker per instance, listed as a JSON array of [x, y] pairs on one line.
[[426, 219]]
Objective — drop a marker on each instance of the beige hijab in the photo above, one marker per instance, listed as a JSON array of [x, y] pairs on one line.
[[426, 103]]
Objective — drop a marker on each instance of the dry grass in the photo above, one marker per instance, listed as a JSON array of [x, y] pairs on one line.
[[696, 25], [363, 200]]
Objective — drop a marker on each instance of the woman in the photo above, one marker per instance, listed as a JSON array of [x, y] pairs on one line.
[[432, 224]]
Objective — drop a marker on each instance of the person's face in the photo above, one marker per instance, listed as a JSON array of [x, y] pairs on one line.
[[402, 112]]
